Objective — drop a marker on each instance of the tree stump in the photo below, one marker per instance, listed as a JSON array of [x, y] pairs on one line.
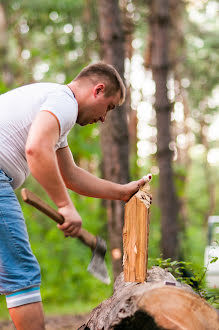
[[159, 303]]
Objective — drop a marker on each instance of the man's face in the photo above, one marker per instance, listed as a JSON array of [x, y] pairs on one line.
[[98, 107]]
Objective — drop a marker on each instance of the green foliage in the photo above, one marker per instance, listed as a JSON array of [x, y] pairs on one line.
[[66, 285], [202, 64], [187, 273], [84, 143], [213, 260], [60, 35], [64, 260]]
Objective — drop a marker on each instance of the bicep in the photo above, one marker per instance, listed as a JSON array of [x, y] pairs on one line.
[[44, 130]]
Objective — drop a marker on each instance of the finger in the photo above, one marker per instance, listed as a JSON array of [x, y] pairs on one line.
[[74, 233], [69, 233], [66, 226], [76, 230], [147, 178], [73, 229], [63, 226], [141, 182]]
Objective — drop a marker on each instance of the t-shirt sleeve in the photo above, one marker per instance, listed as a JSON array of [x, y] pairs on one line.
[[64, 108], [64, 143]]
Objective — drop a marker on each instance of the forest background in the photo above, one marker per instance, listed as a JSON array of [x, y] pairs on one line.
[[167, 52]]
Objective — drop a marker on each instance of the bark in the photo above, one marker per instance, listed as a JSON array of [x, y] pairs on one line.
[[86, 20], [159, 29], [7, 77], [177, 52], [128, 28], [159, 303], [114, 132]]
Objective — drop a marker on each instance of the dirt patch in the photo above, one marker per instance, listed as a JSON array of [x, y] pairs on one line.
[[65, 322]]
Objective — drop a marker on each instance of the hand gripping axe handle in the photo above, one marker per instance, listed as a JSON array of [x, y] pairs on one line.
[[97, 266]]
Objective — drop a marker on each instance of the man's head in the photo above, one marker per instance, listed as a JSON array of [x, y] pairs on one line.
[[106, 74], [98, 88]]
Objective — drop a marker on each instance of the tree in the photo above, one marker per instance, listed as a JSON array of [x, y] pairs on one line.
[[114, 133], [7, 77], [159, 29]]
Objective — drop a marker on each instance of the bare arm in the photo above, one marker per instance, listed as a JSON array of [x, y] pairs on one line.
[[84, 183], [41, 157], [42, 162]]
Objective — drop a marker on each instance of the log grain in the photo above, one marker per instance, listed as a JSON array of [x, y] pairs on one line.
[[135, 236], [159, 303]]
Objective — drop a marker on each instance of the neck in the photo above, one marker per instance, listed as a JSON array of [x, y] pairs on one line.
[[73, 88], [82, 92]]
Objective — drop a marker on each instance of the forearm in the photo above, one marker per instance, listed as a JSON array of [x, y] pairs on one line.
[[87, 184], [84, 183]]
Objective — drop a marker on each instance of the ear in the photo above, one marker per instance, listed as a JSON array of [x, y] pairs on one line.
[[98, 89]]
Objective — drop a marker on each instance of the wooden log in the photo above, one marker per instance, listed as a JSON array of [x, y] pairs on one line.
[[159, 303], [135, 236]]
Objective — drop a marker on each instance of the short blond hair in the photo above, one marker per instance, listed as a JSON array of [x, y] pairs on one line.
[[107, 74]]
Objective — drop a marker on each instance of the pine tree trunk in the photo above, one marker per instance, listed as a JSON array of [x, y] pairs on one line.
[[7, 77], [159, 29], [114, 132], [128, 28]]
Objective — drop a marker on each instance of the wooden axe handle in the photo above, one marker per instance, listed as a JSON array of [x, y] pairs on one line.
[[32, 199]]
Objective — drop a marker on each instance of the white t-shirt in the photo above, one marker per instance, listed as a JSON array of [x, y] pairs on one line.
[[18, 108]]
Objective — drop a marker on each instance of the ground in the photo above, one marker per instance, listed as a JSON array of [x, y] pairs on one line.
[[64, 322]]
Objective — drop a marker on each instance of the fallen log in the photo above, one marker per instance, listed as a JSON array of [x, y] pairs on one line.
[[160, 303]]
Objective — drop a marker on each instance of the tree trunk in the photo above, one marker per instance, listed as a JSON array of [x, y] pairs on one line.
[[159, 22], [177, 52], [7, 77], [160, 303], [114, 132], [128, 28]]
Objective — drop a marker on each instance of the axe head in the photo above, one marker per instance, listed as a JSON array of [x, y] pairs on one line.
[[97, 266]]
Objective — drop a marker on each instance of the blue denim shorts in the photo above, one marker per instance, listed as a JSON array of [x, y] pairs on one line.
[[19, 269]]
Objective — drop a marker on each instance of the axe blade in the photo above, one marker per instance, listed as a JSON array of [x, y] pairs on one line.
[[97, 266]]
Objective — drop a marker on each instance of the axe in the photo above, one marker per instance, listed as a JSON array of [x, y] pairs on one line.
[[97, 266]]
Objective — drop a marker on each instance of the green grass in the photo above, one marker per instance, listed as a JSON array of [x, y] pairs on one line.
[[4, 315]]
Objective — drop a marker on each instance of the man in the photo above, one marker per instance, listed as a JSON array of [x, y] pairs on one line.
[[34, 123]]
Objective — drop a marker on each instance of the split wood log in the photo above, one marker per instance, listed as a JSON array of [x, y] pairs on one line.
[[135, 236], [160, 303]]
